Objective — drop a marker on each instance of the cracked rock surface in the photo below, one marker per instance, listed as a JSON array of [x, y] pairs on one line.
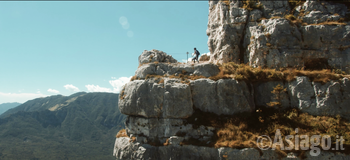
[[264, 37]]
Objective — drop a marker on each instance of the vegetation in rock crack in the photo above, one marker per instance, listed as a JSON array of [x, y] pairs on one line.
[[252, 4], [231, 70], [241, 130], [259, 74], [277, 91]]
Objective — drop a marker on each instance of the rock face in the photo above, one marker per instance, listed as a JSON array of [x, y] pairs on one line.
[[158, 111], [314, 98], [228, 95], [263, 36], [173, 99], [164, 94], [124, 149], [155, 56], [170, 99]]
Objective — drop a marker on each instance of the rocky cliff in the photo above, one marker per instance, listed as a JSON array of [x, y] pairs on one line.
[[175, 110], [279, 34], [163, 98]]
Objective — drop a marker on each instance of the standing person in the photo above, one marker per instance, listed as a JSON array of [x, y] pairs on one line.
[[196, 53]]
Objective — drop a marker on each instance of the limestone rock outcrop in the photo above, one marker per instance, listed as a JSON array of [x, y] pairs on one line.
[[159, 107], [155, 56], [161, 69], [269, 35], [170, 99], [331, 98], [164, 97], [124, 149], [227, 95]]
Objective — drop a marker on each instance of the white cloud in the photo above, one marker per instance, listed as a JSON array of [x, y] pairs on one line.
[[53, 91], [19, 97], [93, 88], [71, 88], [118, 83]]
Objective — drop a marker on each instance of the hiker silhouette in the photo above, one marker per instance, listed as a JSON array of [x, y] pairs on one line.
[[196, 54]]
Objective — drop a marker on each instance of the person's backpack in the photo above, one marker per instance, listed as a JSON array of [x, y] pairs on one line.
[[197, 52]]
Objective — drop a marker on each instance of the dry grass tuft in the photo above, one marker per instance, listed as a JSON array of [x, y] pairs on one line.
[[121, 133], [330, 23], [133, 78], [166, 142], [252, 4], [294, 3], [277, 91], [132, 139], [247, 73], [242, 131], [227, 2], [275, 17], [290, 17], [122, 94]]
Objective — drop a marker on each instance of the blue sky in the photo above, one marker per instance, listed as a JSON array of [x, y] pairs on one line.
[[60, 47]]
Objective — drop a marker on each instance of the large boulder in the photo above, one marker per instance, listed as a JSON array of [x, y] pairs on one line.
[[229, 96], [155, 56], [146, 98]]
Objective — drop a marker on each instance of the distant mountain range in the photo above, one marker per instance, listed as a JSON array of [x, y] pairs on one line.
[[5, 106], [81, 126]]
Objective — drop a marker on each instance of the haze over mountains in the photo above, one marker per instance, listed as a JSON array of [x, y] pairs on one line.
[[6, 106], [80, 126]]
